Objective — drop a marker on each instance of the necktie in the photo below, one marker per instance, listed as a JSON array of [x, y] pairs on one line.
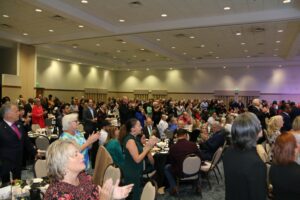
[[150, 130], [16, 130]]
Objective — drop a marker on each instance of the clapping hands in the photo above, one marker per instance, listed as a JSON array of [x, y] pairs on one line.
[[114, 191]]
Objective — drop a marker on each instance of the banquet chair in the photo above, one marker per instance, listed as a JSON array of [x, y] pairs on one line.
[[212, 165], [34, 127], [42, 143], [48, 122], [147, 175], [40, 168], [190, 170], [103, 160], [112, 172], [149, 191]]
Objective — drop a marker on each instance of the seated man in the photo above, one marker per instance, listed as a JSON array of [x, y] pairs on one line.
[[177, 154], [186, 118], [216, 140], [149, 129]]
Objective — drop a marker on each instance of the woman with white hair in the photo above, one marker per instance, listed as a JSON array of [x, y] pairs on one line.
[[274, 126], [70, 131], [65, 167]]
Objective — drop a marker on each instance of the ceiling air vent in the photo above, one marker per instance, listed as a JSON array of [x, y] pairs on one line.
[[260, 43], [135, 4], [6, 26], [58, 17], [257, 29], [180, 35], [199, 58]]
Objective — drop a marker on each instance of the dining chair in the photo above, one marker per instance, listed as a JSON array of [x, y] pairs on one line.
[[212, 165], [191, 171], [42, 143], [112, 172], [149, 191], [40, 168]]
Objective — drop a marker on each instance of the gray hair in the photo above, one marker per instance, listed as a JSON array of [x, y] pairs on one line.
[[244, 131], [5, 108], [57, 156], [68, 119]]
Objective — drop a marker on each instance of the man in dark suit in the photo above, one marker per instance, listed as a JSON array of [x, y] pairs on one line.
[[89, 117], [287, 123], [124, 110], [13, 141], [177, 154], [149, 130]]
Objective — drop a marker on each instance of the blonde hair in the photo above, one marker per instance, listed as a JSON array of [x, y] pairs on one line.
[[57, 156], [273, 124], [296, 124]]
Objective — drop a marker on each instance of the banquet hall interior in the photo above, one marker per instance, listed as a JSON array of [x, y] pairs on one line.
[[151, 50]]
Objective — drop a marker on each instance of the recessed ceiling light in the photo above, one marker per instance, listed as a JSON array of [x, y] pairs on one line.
[[80, 26], [280, 31], [123, 42], [202, 45], [238, 33], [245, 50], [163, 15], [58, 59], [5, 16], [134, 56], [25, 34], [128, 69], [118, 51], [227, 8], [75, 46], [121, 20], [192, 37], [156, 54], [248, 56], [50, 30], [286, 1], [217, 57], [211, 52], [275, 55], [173, 47], [38, 10], [97, 66], [276, 49], [114, 57], [170, 68], [278, 41], [142, 49], [147, 69], [98, 45], [243, 43], [84, 1], [224, 67], [157, 39], [184, 53]]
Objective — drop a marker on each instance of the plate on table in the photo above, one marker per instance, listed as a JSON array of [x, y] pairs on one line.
[[37, 180]]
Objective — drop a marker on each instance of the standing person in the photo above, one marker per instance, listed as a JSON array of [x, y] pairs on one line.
[[70, 131], [38, 113], [285, 172], [124, 110], [245, 173], [13, 141], [134, 155], [64, 110]]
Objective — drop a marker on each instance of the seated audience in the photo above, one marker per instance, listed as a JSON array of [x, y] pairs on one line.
[[113, 146], [245, 173], [65, 168], [70, 131], [285, 172], [148, 128], [177, 154], [186, 118]]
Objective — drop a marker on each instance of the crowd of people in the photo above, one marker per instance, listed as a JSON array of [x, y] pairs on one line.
[[257, 134]]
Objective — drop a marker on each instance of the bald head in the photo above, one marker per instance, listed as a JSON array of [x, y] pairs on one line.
[[256, 102]]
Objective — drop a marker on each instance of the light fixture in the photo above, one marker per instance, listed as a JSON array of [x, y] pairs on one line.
[[276, 49], [286, 1], [128, 69], [227, 8], [98, 45], [84, 1], [97, 66], [58, 59], [192, 37], [75, 46], [25, 34], [238, 33], [123, 42], [157, 39], [134, 56], [173, 47], [217, 57], [142, 49], [147, 69], [278, 41], [170, 68], [202, 45], [80, 26], [114, 57], [245, 50], [38, 10], [243, 43], [122, 20], [224, 67], [248, 56], [211, 52], [280, 31], [156, 54], [163, 15], [118, 51], [184, 53], [5, 16], [50, 30], [275, 55]]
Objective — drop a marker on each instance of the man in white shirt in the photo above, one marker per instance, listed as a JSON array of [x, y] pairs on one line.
[[162, 125], [103, 132]]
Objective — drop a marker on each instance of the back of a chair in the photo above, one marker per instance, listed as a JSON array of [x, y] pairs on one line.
[[34, 127], [42, 142], [169, 134], [112, 172], [103, 160], [148, 192], [216, 157], [40, 169], [191, 165]]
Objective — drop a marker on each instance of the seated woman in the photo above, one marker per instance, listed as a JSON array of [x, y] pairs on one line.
[[113, 146], [70, 131], [245, 173], [285, 172], [65, 166]]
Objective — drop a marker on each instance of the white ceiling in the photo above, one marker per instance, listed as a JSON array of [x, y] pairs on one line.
[[195, 33]]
